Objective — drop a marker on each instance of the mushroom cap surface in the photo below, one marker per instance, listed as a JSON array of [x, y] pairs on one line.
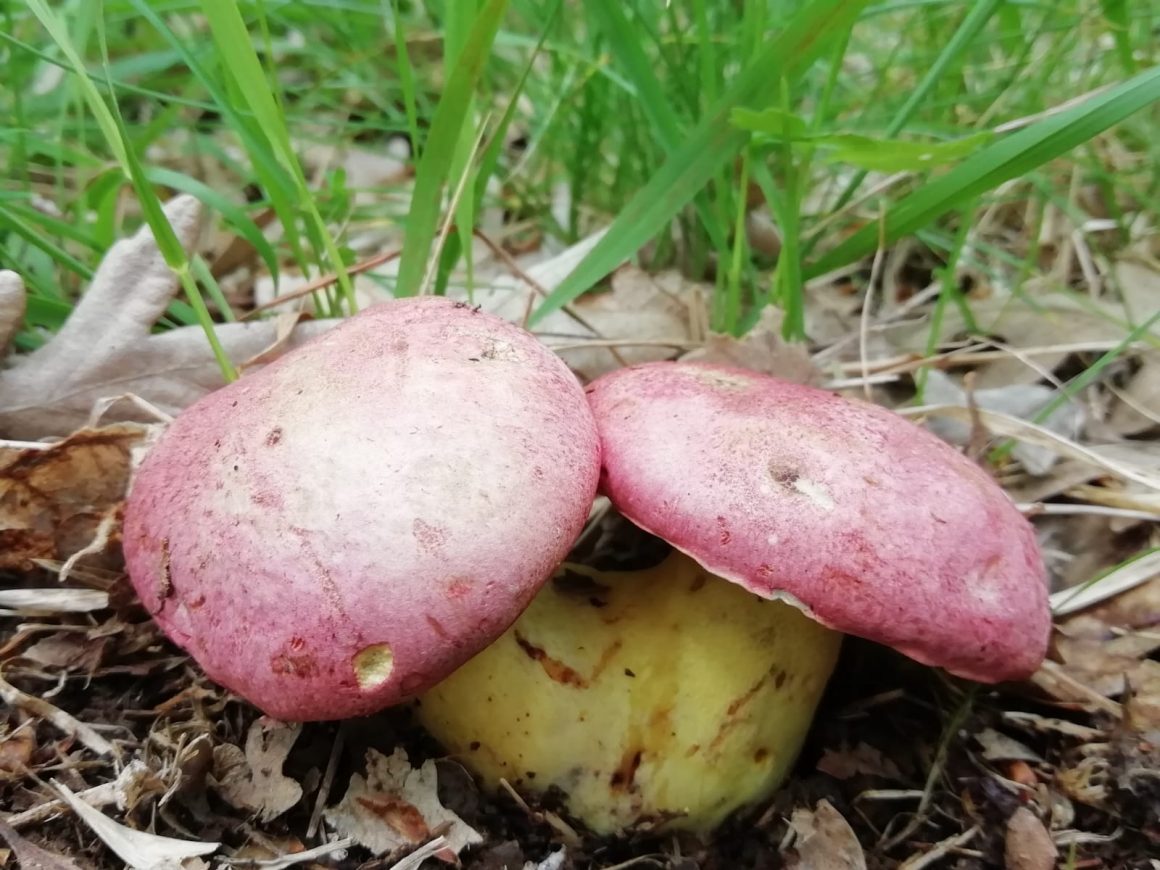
[[339, 530], [871, 524]]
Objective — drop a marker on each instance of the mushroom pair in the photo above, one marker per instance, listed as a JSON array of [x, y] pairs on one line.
[[374, 518]]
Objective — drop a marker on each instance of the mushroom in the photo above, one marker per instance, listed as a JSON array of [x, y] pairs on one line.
[[334, 533], [677, 695]]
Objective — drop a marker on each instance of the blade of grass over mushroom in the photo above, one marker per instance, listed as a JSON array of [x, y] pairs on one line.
[[439, 150], [1010, 157], [273, 178], [406, 73], [112, 128], [627, 47], [240, 60], [236, 217], [712, 144]]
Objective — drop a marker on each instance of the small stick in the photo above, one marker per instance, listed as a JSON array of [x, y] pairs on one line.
[[940, 850], [62, 720], [327, 781]]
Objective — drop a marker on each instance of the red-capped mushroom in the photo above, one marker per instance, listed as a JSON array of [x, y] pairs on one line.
[[869, 523], [671, 696], [339, 530]]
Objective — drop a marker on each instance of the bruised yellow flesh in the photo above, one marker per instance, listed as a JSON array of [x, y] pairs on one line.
[[665, 695]]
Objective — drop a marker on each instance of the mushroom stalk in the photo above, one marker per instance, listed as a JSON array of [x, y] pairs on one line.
[[665, 696]]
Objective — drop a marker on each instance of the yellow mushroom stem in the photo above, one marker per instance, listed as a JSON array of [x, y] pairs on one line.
[[666, 696]]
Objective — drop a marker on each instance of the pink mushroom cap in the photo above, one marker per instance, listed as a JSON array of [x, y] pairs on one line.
[[869, 523], [340, 530]]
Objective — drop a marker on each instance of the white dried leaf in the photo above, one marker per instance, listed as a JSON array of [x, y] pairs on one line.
[[825, 840], [553, 862], [1024, 401], [138, 849], [253, 781], [12, 303], [1052, 321], [54, 600], [997, 746], [396, 807], [107, 347]]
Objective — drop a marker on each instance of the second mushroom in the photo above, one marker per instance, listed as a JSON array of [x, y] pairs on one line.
[[677, 694]]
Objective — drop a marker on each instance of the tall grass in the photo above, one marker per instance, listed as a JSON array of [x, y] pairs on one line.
[[851, 121]]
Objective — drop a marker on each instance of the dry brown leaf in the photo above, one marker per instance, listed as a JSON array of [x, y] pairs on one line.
[[67, 652], [762, 349], [1106, 649], [16, 749], [253, 780], [1028, 844], [863, 759], [639, 308], [825, 840], [53, 500], [396, 807], [107, 347], [31, 856]]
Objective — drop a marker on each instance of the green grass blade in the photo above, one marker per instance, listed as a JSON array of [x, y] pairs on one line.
[[406, 74], [235, 215], [439, 152], [640, 70], [236, 49], [1010, 157], [712, 144], [964, 35]]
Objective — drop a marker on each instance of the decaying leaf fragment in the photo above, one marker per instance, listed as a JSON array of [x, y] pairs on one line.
[[138, 849], [1028, 844], [762, 349], [396, 807], [31, 856], [107, 347], [54, 499], [1024, 401], [253, 780], [825, 840]]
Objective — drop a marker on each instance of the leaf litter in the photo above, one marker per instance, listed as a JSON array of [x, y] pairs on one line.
[[102, 713]]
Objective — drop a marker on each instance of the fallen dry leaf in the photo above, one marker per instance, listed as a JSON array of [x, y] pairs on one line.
[[66, 652], [253, 780], [396, 807], [762, 349], [1028, 844], [1139, 407], [825, 840], [997, 746], [107, 347], [639, 310], [16, 748], [1047, 321], [139, 849], [1022, 401], [53, 499], [31, 856], [845, 763]]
